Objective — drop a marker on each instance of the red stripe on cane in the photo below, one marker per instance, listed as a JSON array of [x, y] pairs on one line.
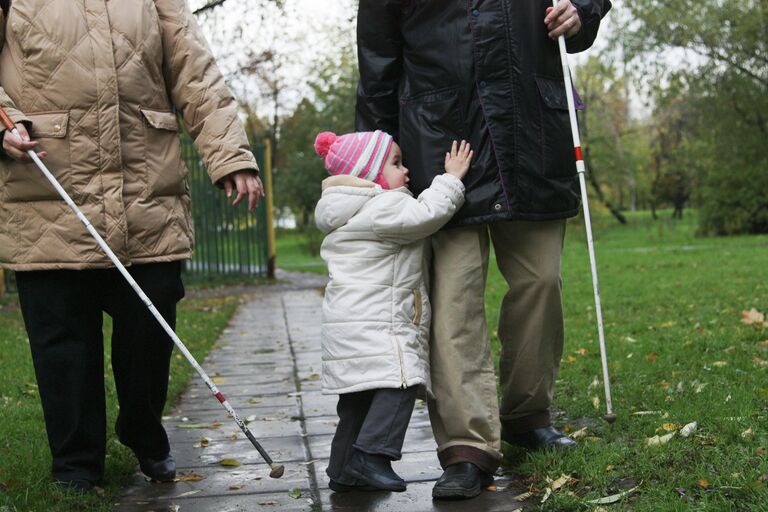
[[577, 149], [220, 397]]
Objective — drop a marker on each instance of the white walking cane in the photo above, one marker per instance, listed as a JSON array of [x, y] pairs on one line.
[[610, 417], [277, 470]]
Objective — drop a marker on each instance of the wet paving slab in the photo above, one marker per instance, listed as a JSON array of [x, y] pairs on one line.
[[267, 363]]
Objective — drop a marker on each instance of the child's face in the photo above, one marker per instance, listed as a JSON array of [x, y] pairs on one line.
[[394, 172]]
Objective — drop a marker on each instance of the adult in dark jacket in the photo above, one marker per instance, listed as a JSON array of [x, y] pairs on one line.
[[487, 71]]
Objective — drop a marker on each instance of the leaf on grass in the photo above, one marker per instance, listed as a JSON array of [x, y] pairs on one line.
[[669, 427], [579, 433], [747, 433], [522, 497], [229, 462], [645, 413], [295, 493], [582, 352], [703, 483], [596, 402], [760, 451], [659, 440], [759, 362], [557, 484], [698, 387], [594, 384], [688, 429], [720, 364], [570, 359], [753, 317], [190, 477], [652, 357], [547, 494], [614, 498]]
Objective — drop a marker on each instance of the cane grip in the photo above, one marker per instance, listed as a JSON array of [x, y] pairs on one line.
[[10, 125]]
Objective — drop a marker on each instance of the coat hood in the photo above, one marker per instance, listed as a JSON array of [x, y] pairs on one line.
[[342, 198]]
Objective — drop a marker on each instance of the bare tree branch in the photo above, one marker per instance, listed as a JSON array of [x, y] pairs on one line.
[[209, 6]]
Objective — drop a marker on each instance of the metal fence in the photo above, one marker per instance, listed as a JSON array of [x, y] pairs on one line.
[[227, 240]]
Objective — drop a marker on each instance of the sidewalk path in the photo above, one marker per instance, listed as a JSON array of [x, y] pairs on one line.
[[267, 364]]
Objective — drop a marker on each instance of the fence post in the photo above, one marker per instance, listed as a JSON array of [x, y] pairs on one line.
[[271, 250]]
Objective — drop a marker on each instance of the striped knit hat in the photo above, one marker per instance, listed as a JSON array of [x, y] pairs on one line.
[[359, 154]]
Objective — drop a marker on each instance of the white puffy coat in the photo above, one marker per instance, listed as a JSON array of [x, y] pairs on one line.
[[376, 313]]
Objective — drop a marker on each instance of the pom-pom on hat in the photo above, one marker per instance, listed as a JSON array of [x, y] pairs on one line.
[[360, 154]]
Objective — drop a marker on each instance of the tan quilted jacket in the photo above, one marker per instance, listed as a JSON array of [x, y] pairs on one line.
[[98, 81]]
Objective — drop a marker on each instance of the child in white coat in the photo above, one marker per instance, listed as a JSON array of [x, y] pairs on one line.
[[376, 313]]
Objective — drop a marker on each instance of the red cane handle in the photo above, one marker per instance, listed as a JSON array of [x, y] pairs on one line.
[[10, 125]]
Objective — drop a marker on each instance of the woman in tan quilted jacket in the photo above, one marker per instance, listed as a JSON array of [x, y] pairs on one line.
[[95, 87]]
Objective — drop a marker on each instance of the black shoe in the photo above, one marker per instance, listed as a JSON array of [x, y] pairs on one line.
[[461, 481], [540, 438], [356, 486], [74, 485], [374, 470], [161, 470]]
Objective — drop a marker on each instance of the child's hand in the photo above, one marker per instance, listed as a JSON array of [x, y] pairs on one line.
[[457, 161]]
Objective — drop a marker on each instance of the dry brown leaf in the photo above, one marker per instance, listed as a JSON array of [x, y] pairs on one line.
[[652, 357], [582, 352], [236, 487], [522, 497], [570, 359], [703, 483], [191, 476], [760, 451], [203, 443], [753, 317], [215, 425], [268, 503], [232, 436]]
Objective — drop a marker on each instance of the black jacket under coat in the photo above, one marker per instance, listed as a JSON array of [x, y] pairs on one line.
[[434, 71]]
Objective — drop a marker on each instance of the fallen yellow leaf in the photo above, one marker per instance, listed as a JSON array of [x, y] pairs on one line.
[[752, 317], [703, 484], [229, 462]]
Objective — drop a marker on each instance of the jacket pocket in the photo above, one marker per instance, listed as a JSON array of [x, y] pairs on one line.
[[556, 140], [165, 170], [429, 122], [23, 181]]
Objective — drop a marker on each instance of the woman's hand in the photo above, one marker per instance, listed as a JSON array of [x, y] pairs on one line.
[[16, 147], [562, 19], [246, 183]]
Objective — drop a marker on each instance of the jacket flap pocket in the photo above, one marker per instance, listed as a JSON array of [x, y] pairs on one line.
[[552, 92], [49, 124], [161, 120]]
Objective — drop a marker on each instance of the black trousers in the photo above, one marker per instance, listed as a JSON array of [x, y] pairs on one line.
[[62, 311], [373, 422]]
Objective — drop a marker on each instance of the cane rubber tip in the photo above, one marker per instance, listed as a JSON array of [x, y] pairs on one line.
[[610, 418], [277, 471]]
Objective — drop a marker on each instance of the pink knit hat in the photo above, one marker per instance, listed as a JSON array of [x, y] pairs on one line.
[[360, 154]]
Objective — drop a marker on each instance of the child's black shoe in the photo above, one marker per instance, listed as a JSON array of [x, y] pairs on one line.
[[374, 470]]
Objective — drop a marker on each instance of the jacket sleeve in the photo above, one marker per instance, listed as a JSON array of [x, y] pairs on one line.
[[379, 55], [414, 219], [5, 101], [197, 90], [590, 12]]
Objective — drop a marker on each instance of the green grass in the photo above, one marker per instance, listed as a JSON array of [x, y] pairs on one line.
[[24, 456], [672, 306], [293, 255]]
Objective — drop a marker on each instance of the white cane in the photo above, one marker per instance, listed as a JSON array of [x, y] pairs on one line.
[[277, 470], [610, 417]]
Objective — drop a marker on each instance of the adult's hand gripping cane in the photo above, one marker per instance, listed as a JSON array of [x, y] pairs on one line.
[[277, 470], [610, 417]]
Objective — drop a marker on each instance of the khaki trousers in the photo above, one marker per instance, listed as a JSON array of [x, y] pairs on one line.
[[465, 413]]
